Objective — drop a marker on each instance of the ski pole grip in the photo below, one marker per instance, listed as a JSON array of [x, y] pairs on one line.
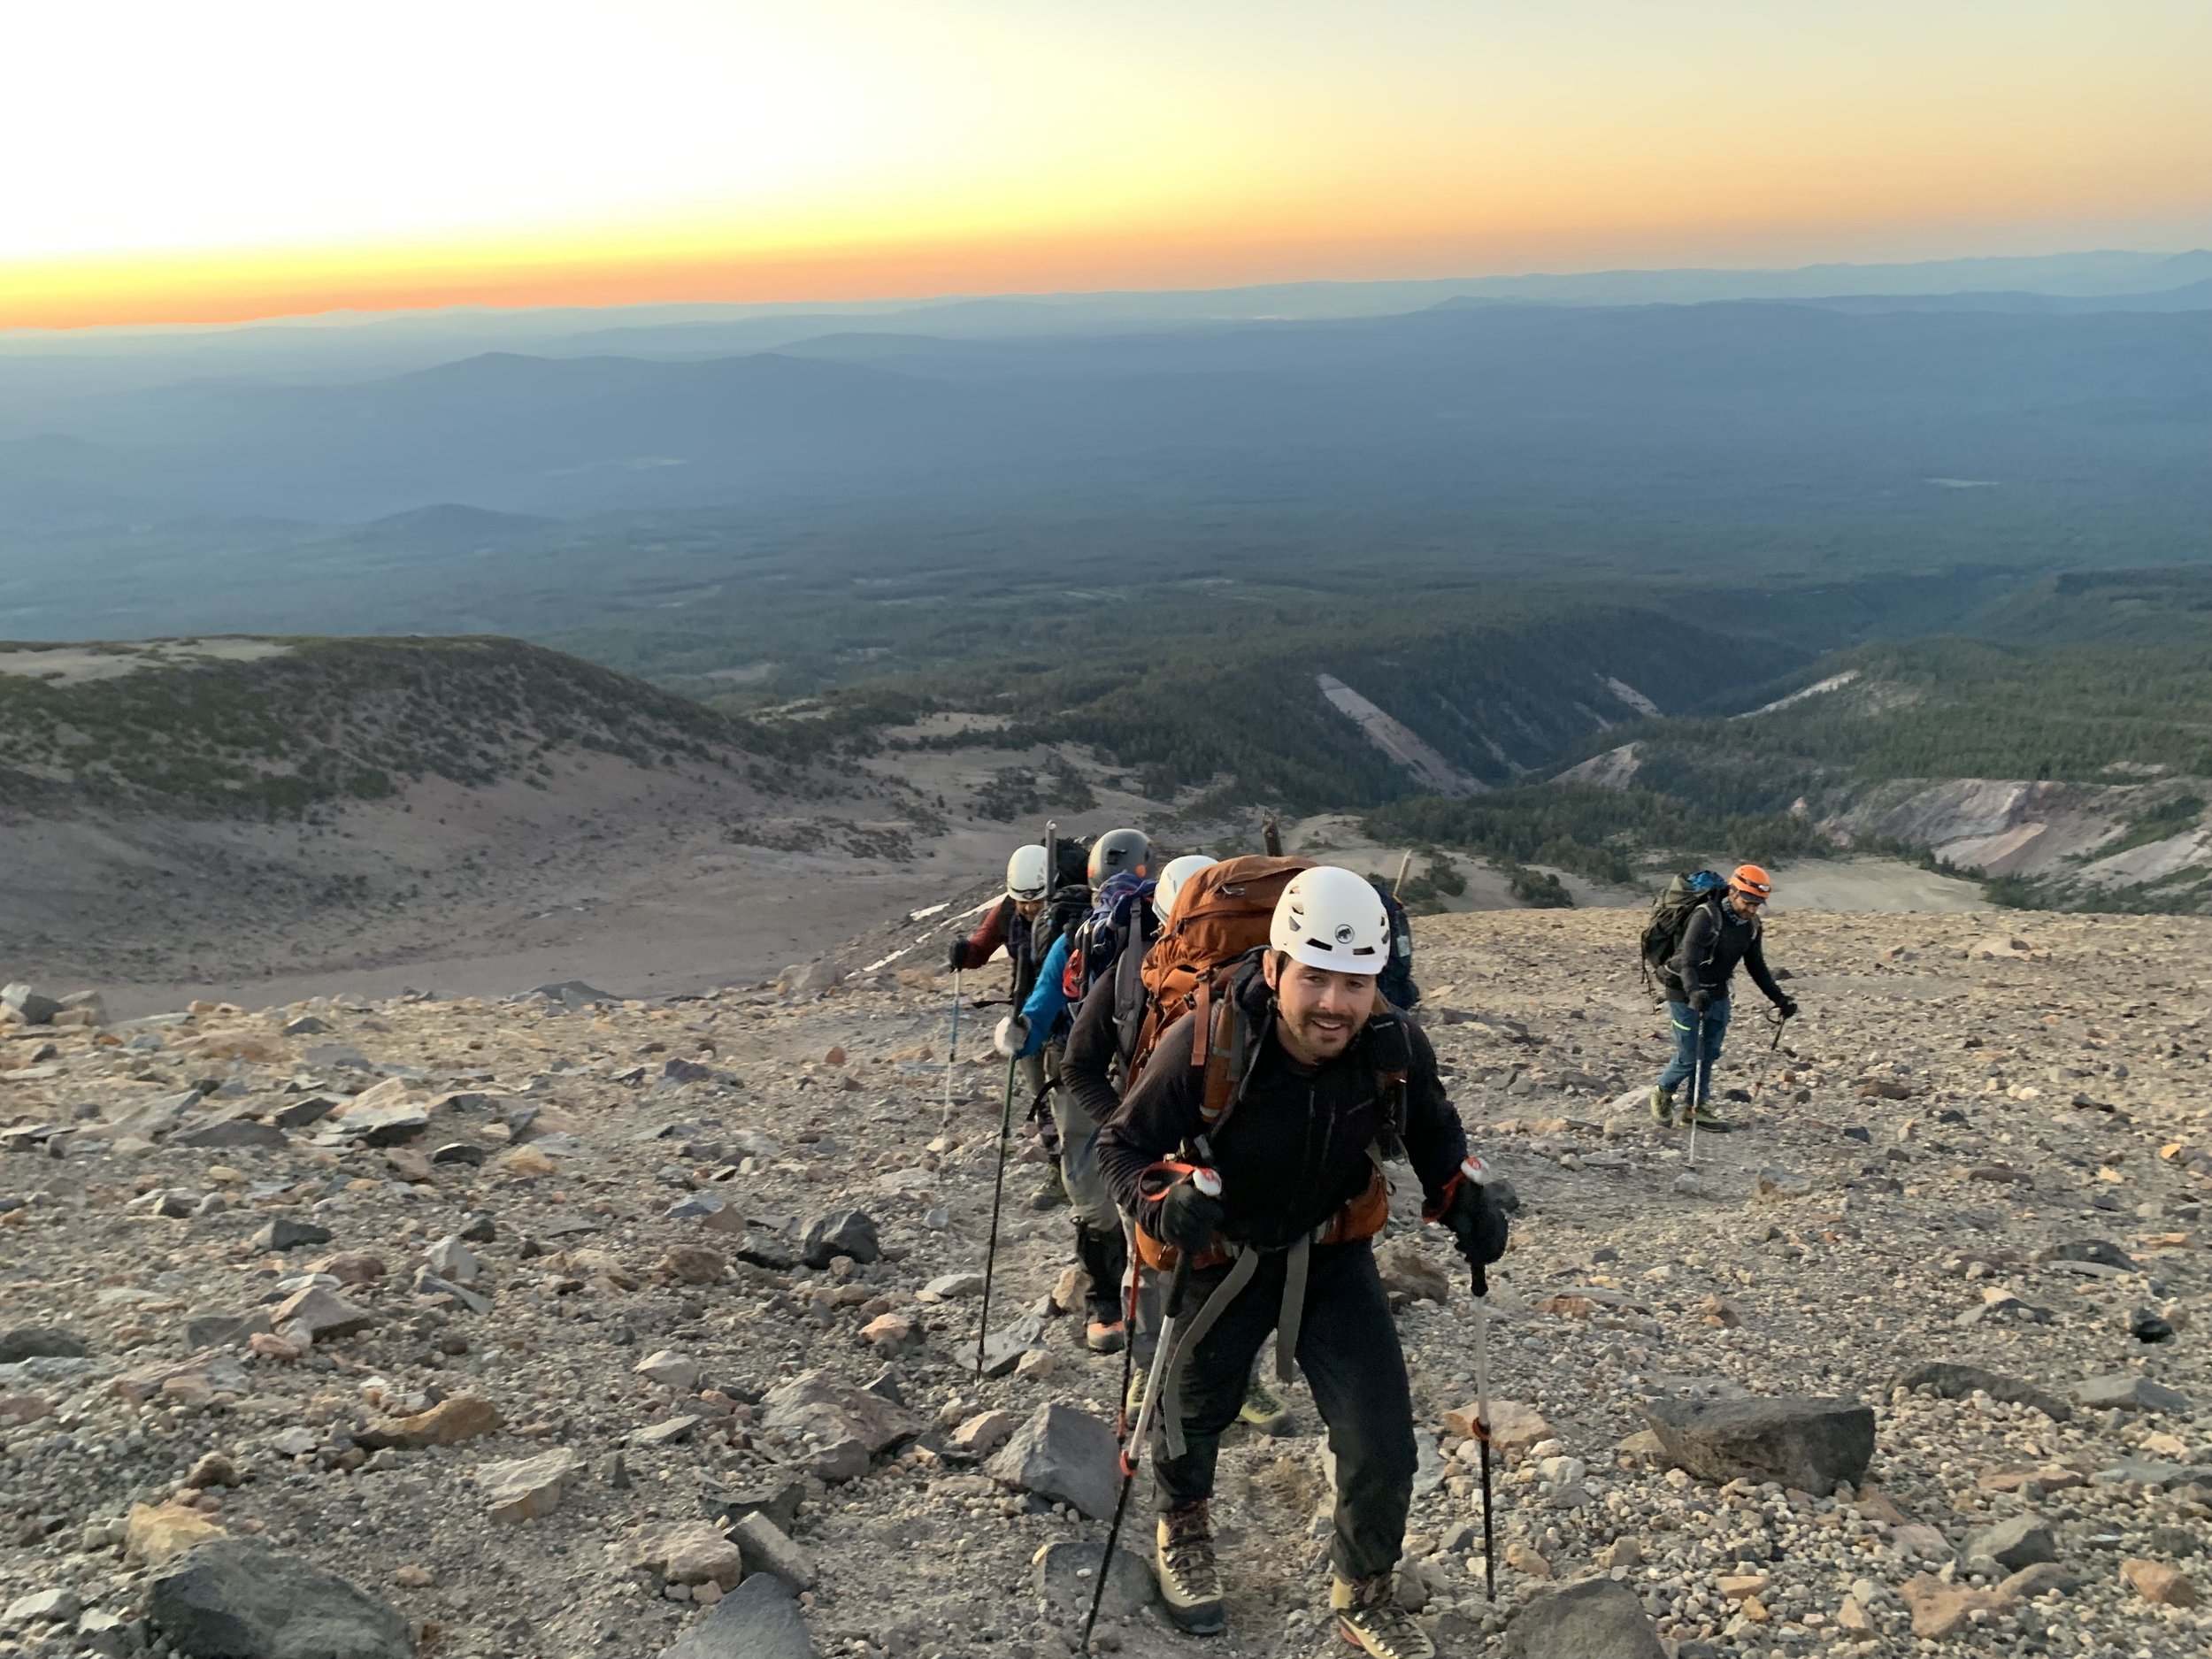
[[1207, 1181]]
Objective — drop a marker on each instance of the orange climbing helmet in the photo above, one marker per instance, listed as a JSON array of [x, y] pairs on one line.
[[1753, 880]]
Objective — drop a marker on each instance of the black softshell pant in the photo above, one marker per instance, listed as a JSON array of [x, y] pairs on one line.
[[1348, 1346]]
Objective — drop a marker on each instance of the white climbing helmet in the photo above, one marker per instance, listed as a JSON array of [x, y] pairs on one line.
[[1177, 871], [1027, 873], [1330, 917]]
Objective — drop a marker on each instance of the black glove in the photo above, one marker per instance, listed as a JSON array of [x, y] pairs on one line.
[[1478, 1227], [1187, 1218], [1788, 1005], [956, 955], [1700, 1001]]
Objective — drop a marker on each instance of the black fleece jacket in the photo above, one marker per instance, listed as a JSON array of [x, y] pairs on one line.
[[1294, 1149], [1713, 941]]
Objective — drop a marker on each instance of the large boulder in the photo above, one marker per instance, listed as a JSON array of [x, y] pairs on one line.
[[1811, 1443], [1065, 1457], [757, 1620], [834, 1410], [238, 1598], [1594, 1619], [845, 1233]]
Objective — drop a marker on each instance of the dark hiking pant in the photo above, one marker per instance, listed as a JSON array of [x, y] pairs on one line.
[[1348, 1346], [1684, 1065]]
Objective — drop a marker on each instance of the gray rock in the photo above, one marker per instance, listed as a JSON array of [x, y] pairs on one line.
[[225, 1134], [451, 1259], [668, 1431], [213, 1328], [35, 1007], [299, 1113], [150, 1120], [576, 994], [1063, 1455], [2148, 1325], [847, 1233], [814, 1402], [2122, 1391], [946, 1287], [305, 1025], [527, 1488], [778, 1500], [1956, 1382], [838, 1462], [43, 1607], [2019, 1542], [238, 1598], [1803, 1441], [1067, 1577], [40, 1341], [2103, 1252], [284, 1233], [2147, 1472], [1594, 1619], [757, 1620], [384, 1125], [1003, 1348], [678, 1071], [459, 1152], [766, 1548], [336, 1054], [428, 1284]]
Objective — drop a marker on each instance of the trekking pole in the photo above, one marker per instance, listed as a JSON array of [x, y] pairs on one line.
[[1404, 864], [1780, 1024], [998, 1188], [952, 1048], [1132, 1443], [1128, 1463], [1698, 1083], [1482, 1431]]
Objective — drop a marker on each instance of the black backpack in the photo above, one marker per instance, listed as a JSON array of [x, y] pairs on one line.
[[1670, 914]]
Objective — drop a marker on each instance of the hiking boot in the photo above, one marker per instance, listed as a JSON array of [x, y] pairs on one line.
[[1052, 1192], [1368, 1616], [1662, 1107], [1183, 1560], [1708, 1120], [1264, 1407], [1105, 1333], [1135, 1397]]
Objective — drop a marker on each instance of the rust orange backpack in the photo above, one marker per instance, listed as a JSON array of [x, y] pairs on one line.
[[1222, 912]]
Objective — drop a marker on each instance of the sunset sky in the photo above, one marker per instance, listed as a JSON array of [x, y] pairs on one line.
[[168, 163]]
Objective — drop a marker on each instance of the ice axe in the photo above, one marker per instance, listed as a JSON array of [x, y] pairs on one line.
[[1132, 1442]]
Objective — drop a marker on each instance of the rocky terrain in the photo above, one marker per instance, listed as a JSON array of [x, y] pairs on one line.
[[560, 1326]]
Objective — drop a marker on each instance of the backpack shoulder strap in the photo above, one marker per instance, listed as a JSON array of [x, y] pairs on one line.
[[1225, 1067]]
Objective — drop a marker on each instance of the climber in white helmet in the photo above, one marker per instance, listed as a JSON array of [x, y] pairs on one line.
[[1322, 1081]]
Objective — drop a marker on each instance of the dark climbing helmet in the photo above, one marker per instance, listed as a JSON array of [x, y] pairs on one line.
[[1118, 850]]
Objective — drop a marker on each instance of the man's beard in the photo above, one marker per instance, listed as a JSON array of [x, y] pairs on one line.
[[1325, 1043]]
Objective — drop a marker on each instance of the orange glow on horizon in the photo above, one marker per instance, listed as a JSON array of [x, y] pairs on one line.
[[272, 163]]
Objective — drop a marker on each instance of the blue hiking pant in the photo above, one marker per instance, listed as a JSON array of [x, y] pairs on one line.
[[1684, 1062]]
